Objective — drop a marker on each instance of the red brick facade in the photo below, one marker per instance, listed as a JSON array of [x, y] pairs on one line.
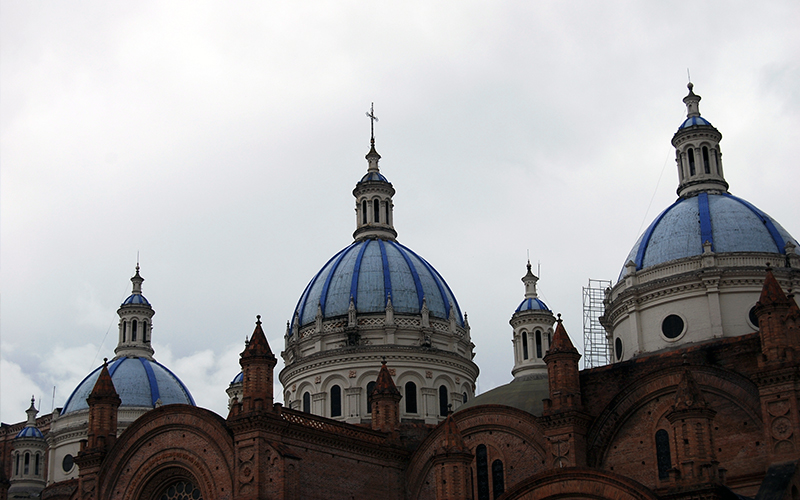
[[706, 421]]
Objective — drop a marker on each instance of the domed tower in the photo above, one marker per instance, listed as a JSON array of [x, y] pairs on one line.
[[533, 329], [377, 299], [27, 459], [696, 272], [141, 382]]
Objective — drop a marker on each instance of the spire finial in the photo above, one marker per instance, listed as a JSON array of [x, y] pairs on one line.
[[372, 120], [383, 360], [258, 319], [559, 317]]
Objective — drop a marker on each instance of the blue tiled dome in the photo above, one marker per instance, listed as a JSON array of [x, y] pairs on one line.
[[238, 378], [532, 305], [137, 299], [694, 120], [370, 271], [138, 381], [729, 223], [373, 176], [30, 432]]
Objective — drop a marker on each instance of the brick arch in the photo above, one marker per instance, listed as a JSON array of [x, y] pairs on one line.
[[166, 444], [663, 383], [475, 425], [572, 482]]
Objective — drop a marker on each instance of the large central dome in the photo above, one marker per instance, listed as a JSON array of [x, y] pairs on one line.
[[377, 300], [371, 273]]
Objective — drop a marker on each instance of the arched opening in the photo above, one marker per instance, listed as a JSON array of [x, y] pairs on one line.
[[482, 472], [370, 388], [524, 345], [36, 465], [144, 332], [124, 330], [307, 402], [411, 397], [336, 401], [364, 212], [16, 465], [26, 464], [443, 401], [706, 162], [386, 219], [691, 161], [376, 208], [498, 485], [133, 331], [180, 490], [538, 344], [663, 458], [464, 398]]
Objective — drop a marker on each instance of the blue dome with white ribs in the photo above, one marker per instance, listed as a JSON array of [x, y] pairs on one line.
[[728, 223], [136, 299], [138, 381], [532, 305], [370, 271], [30, 432], [373, 176], [694, 121]]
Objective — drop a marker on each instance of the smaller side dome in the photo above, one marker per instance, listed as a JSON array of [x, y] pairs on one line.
[[238, 378], [140, 382], [532, 304], [136, 299], [693, 121], [373, 177], [30, 432]]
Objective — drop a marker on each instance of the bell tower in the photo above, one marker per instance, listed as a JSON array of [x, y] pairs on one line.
[[135, 323]]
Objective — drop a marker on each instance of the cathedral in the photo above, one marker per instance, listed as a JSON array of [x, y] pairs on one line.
[[699, 399]]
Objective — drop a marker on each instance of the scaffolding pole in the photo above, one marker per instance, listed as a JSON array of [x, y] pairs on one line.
[[596, 349]]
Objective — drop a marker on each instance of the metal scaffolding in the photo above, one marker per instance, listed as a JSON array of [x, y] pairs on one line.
[[596, 348]]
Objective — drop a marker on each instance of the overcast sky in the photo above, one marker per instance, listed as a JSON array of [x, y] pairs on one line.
[[222, 141]]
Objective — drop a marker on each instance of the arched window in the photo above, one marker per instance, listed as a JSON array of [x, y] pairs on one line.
[[464, 398], [144, 331], [336, 401], [662, 454], [386, 219], [376, 208], [691, 161], [27, 464], [498, 485], [124, 330], [443, 401], [482, 472], [36, 465], [524, 345], [370, 388], [133, 331], [364, 212], [538, 344], [307, 402], [706, 163], [411, 397], [16, 466], [716, 160], [180, 490]]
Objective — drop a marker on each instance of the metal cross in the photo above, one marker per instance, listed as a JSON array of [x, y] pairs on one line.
[[372, 120]]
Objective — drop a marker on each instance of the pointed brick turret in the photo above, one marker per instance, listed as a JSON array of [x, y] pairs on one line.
[[562, 371], [566, 424], [103, 404], [451, 464], [778, 317], [102, 433], [385, 402], [692, 425], [257, 362]]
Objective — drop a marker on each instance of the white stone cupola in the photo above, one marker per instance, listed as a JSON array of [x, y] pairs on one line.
[[697, 152], [135, 323], [532, 322], [374, 207], [27, 459]]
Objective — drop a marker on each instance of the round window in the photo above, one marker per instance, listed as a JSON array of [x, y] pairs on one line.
[[752, 316], [67, 463], [618, 348], [672, 326]]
